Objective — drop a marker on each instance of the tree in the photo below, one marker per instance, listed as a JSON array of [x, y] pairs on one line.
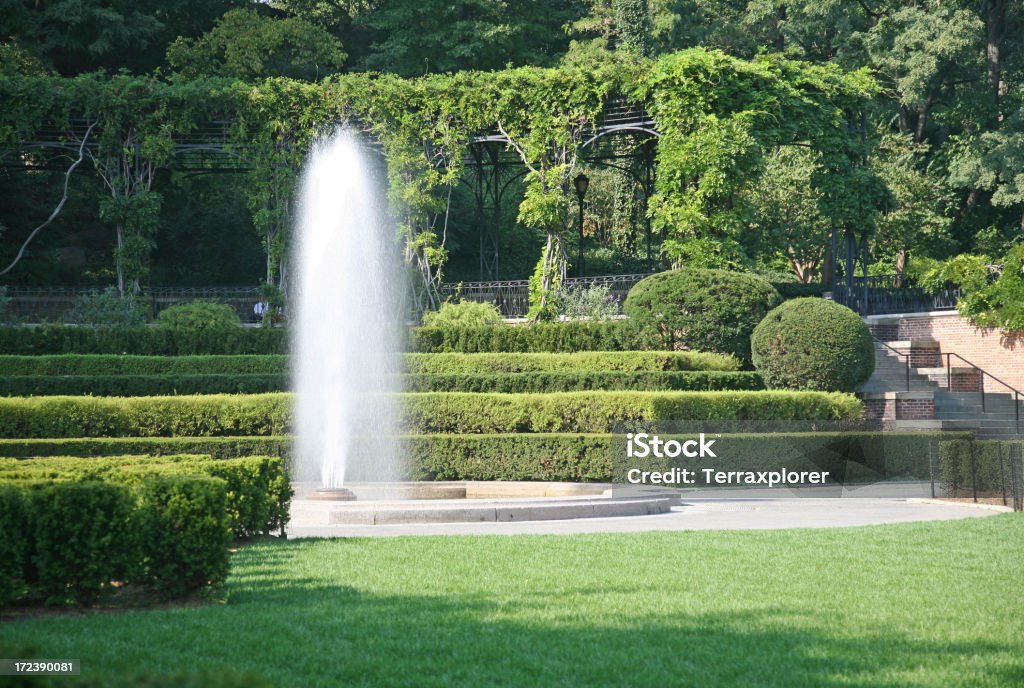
[[247, 45], [430, 36]]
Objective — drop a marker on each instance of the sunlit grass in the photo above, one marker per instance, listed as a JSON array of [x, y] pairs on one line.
[[937, 604]]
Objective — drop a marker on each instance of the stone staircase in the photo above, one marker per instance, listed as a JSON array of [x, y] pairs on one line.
[[927, 395]]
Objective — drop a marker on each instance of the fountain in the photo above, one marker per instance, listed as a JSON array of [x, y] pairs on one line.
[[346, 337], [347, 328]]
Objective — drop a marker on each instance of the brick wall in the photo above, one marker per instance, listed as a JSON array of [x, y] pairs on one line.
[[991, 350]]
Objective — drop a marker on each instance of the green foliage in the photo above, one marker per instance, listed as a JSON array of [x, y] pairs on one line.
[[144, 341], [247, 45], [575, 381], [79, 539], [966, 465], [82, 538], [705, 310], [258, 492], [624, 361], [184, 533], [154, 447], [270, 414], [14, 545], [199, 315], [107, 308], [993, 294], [599, 411], [463, 314], [592, 303], [7, 316], [207, 415], [813, 344], [538, 338], [142, 385]]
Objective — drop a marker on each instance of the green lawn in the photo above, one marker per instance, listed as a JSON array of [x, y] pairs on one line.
[[938, 604]]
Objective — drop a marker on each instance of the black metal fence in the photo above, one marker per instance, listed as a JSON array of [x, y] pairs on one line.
[[882, 294], [512, 297], [51, 304], [990, 472]]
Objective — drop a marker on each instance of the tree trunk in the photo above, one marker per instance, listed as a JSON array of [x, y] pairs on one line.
[[995, 29], [118, 264]]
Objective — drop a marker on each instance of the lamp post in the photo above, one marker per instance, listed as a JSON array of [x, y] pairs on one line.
[[581, 182]]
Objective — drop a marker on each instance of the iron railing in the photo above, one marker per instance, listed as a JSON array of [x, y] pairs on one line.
[[47, 303], [512, 297], [1017, 394], [881, 294]]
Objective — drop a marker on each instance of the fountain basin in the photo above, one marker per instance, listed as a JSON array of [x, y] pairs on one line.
[[474, 502]]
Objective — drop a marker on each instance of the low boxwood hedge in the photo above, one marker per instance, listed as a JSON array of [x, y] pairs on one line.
[[109, 364], [966, 466], [578, 381], [258, 490], [583, 361], [562, 381], [79, 539], [437, 412], [146, 341]]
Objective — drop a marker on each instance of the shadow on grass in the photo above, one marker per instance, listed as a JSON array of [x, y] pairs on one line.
[[299, 630]]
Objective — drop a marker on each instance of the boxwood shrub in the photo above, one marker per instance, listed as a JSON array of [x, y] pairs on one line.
[[704, 310], [967, 465], [270, 414], [584, 361], [258, 489], [813, 344], [562, 381], [147, 341], [80, 538]]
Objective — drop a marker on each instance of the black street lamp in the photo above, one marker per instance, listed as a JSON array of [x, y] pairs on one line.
[[581, 182]]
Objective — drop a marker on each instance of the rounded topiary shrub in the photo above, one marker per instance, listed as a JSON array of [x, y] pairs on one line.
[[813, 344], [702, 310]]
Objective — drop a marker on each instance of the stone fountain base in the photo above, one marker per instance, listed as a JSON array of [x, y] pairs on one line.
[[472, 502]]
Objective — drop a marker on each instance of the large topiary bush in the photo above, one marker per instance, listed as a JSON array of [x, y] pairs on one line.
[[705, 310], [813, 344]]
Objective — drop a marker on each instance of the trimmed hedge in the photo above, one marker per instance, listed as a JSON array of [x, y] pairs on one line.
[[216, 447], [518, 456], [704, 310], [258, 490], [813, 344], [108, 364], [147, 341], [567, 381], [578, 381], [155, 341], [584, 361], [140, 385], [421, 364], [78, 538], [270, 414], [211, 415], [616, 335], [966, 465]]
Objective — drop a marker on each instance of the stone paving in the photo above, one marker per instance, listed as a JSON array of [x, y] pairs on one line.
[[692, 514]]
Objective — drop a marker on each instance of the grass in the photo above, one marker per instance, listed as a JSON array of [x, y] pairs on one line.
[[931, 604]]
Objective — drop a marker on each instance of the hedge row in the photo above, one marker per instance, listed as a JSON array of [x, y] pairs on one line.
[[849, 456], [153, 341], [147, 341], [583, 361], [419, 364], [579, 381], [258, 490], [70, 541], [982, 465], [152, 385], [270, 414]]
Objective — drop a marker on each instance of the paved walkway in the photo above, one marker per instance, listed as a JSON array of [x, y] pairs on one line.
[[693, 514]]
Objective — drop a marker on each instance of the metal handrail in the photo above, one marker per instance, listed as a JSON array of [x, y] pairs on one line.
[[1016, 392]]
